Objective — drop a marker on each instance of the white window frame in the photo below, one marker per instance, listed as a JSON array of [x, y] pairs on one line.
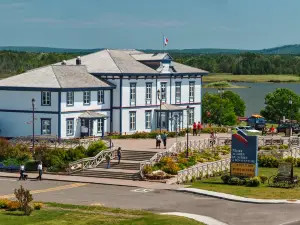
[[100, 97], [191, 91], [46, 98], [132, 94], [163, 87], [86, 98], [191, 116], [70, 98], [148, 119], [177, 93], [99, 125], [70, 127], [148, 93], [46, 126], [132, 120]]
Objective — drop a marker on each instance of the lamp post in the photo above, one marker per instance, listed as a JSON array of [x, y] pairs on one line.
[[187, 130], [33, 105], [220, 92], [291, 129], [159, 98]]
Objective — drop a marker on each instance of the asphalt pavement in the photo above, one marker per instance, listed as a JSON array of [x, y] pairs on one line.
[[229, 212]]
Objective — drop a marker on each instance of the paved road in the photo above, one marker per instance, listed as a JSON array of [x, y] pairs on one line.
[[232, 213]]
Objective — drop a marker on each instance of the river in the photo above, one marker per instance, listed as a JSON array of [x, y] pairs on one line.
[[254, 96]]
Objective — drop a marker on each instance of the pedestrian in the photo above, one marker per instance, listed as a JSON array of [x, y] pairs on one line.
[[108, 161], [199, 128], [119, 153], [22, 171], [272, 130], [164, 139], [40, 170], [158, 140], [194, 129]]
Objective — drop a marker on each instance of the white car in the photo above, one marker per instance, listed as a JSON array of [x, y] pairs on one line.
[[248, 129]]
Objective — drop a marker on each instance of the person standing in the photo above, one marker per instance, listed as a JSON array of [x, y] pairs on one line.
[[164, 139], [158, 140], [22, 171], [119, 153], [108, 161], [199, 128], [194, 129], [40, 170]]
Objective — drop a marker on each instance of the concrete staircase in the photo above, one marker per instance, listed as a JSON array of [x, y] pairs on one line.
[[128, 169]]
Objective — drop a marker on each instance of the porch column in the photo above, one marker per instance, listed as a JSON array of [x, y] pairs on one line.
[[90, 133], [102, 128], [171, 122]]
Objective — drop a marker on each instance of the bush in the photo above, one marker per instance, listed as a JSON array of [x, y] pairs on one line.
[[283, 146], [4, 203], [13, 206], [75, 154], [291, 159], [31, 165], [95, 148], [225, 178], [37, 205], [267, 161], [171, 168], [253, 182], [147, 169], [234, 181], [24, 198], [263, 178]]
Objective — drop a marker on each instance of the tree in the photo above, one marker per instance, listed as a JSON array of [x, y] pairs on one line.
[[237, 102], [277, 105], [217, 110]]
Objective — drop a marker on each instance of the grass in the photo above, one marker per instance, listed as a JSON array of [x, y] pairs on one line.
[[261, 192], [251, 78], [57, 214], [222, 84]]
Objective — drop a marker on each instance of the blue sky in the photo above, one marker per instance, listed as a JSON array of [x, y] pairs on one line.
[[243, 24]]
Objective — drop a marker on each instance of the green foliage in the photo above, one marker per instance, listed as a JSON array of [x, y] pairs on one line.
[[4, 203], [13, 206], [95, 148], [237, 102], [253, 182], [77, 153], [267, 161], [37, 205], [234, 181], [147, 169], [277, 105], [19, 152], [263, 178], [225, 178], [24, 198], [171, 168], [145, 135]]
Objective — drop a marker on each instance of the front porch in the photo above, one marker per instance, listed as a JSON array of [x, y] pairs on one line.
[[88, 127]]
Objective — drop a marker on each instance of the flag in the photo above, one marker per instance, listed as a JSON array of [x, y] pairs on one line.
[[166, 41]]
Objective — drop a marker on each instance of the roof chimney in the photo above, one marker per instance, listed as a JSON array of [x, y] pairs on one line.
[[64, 62], [78, 60]]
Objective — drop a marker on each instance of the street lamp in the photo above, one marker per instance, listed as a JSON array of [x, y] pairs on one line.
[[33, 105], [220, 92], [291, 103], [187, 130], [159, 98]]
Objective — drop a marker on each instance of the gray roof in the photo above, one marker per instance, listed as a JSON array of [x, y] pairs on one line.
[[168, 107], [92, 115], [150, 56], [181, 68], [55, 76]]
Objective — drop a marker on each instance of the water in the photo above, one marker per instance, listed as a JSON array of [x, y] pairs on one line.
[[254, 96]]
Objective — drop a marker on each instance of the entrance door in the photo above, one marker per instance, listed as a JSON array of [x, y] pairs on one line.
[[88, 124], [164, 120]]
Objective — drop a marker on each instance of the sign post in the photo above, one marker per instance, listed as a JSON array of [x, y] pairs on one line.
[[244, 155]]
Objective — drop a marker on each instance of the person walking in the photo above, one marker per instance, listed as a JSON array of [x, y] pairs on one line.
[[158, 140], [119, 153], [108, 161], [199, 128], [194, 129], [164, 139], [40, 170], [22, 171]]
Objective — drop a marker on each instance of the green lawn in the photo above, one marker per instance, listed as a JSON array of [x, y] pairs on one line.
[[251, 78], [58, 214], [261, 192]]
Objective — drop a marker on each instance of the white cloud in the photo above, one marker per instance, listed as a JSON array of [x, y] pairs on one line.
[[11, 5]]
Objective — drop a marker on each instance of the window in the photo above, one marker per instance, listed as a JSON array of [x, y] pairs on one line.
[[132, 120], [86, 97], [70, 98], [46, 126], [191, 116], [148, 93], [163, 92], [191, 91], [70, 127], [132, 94], [99, 125], [100, 97], [163, 122], [177, 92], [46, 98], [148, 119]]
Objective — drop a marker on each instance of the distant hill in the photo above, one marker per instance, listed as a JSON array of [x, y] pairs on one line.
[[286, 49]]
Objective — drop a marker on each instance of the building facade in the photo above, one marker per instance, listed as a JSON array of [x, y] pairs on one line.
[[122, 91]]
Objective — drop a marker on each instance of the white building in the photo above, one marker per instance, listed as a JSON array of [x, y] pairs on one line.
[[107, 91]]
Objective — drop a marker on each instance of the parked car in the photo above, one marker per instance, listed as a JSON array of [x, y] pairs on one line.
[[282, 128], [248, 129]]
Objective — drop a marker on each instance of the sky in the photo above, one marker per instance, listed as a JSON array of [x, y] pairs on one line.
[[141, 24]]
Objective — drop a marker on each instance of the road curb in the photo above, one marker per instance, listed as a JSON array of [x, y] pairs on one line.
[[235, 198]]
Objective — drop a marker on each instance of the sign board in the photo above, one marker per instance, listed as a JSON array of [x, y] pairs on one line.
[[242, 169], [244, 151], [285, 169]]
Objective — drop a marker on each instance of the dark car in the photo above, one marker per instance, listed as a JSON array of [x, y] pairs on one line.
[[282, 128]]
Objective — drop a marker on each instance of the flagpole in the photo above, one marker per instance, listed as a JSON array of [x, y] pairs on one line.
[[163, 43]]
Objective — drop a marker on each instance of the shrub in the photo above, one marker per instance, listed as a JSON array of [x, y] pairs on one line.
[[37, 205], [268, 161], [193, 179], [13, 206], [253, 182], [263, 178], [4, 203], [234, 181], [171, 168], [77, 153], [290, 159], [148, 169], [95, 148], [283, 146], [31, 165], [24, 198], [225, 178]]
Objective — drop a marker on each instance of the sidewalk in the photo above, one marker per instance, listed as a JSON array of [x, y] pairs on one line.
[[94, 180]]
